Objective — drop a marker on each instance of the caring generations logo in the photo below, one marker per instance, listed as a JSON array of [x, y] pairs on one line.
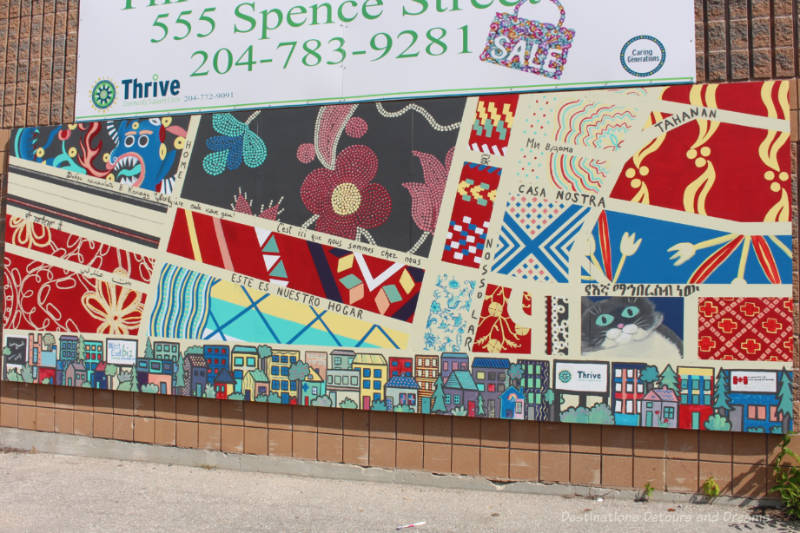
[[106, 93], [643, 56]]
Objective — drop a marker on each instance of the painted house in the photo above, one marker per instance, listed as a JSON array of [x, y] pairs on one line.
[[489, 374], [75, 375], [535, 383], [166, 351], [255, 384], [460, 390], [195, 374], [223, 384], [312, 387], [696, 387], [660, 409], [67, 353], [155, 372], [319, 362], [343, 384], [426, 371], [753, 399], [627, 392], [279, 365], [244, 359], [373, 370], [512, 404], [93, 355], [217, 358], [342, 359], [402, 391], [401, 366], [99, 378], [453, 361]]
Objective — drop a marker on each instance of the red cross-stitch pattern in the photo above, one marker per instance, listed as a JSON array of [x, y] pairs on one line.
[[745, 329]]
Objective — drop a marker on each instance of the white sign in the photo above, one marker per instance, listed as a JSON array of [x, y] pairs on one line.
[[581, 377], [148, 57], [754, 381], [121, 352]]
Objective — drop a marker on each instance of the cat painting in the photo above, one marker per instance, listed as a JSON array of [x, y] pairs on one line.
[[626, 327]]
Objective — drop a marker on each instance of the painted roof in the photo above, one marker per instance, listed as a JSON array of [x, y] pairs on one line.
[[453, 355], [369, 359], [258, 376], [461, 379], [313, 375], [245, 349], [490, 362], [196, 360], [661, 395], [402, 382], [224, 378]]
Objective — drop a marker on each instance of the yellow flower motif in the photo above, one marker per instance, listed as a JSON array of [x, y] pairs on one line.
[[118, 308], [27, 233]]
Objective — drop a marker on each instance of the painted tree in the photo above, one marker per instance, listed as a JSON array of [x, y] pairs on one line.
[[81, 351], [438, 397], [322, 401], [722, 402], [649, 376], [348, 403], [550, 400], [209, 391], [514, 375], [179, 384], [480, 409], [274, 397], [148, 349], [49, 340], [785, 401], [111, 374], [264, 354], [669, 379], [459, 411], [717, 422], [194, 350], [378, 405], [298, 373], [6, 355]]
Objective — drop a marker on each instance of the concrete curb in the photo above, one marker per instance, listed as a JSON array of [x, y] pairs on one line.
[[55, 443]]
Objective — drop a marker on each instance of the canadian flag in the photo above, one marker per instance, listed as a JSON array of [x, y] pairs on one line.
[[737, 380]]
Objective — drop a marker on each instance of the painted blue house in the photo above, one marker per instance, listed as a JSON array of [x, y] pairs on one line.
[[512, 404]]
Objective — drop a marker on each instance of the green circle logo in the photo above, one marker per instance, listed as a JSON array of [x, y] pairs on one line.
[[564, 376], [103, 95]]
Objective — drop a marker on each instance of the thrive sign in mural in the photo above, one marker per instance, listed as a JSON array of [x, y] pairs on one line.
[[207, 55], [613, 257]]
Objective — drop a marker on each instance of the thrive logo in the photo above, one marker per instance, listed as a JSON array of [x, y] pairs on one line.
[[137, 90], [104, 94]]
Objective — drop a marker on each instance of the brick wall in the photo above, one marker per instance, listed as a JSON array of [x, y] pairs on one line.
[[736, 40]]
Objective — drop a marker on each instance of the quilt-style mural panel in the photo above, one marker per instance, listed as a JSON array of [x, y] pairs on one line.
[[610, 257]]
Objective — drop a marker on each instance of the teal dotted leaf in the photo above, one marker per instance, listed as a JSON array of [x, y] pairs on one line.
[[215, 162], [254, 149], [227, 124]]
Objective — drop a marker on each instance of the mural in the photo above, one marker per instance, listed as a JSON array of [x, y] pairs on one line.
[[609, 257]]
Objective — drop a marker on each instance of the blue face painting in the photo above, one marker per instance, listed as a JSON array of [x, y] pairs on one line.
[[140, 159]]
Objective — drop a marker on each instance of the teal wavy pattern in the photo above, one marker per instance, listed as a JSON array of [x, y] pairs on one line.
[[182, 303]]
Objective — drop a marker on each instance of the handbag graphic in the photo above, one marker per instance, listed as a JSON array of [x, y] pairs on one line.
[[529, 45]]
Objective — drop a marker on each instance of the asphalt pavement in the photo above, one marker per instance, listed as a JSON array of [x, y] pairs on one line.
[[43, 492]]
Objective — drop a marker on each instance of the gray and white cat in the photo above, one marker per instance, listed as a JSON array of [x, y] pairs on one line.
[[626, 327]]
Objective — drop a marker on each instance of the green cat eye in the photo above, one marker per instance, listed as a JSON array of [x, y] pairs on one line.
[[630, 311], [604, 320]]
